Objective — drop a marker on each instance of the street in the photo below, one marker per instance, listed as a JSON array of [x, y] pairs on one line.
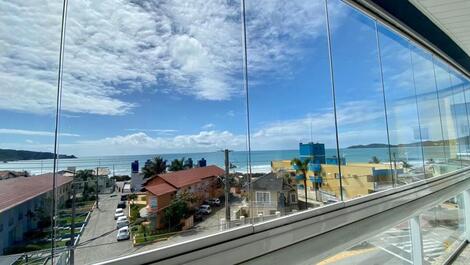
[[105, 247]]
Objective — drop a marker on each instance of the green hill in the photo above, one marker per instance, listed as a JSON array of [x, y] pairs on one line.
[[12, 155]]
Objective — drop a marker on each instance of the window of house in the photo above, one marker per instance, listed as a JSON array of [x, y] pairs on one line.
[[293, 198], [263, 196]]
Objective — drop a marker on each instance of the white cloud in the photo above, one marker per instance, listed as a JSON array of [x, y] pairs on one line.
[[33, 133], [208, 126], [139, 143], [157, 131], [115, 47], [357, 120]]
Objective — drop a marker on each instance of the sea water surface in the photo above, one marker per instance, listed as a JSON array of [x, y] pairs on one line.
[[260, 160]]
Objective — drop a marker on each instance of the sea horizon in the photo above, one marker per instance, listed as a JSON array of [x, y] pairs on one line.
[[260, 159]]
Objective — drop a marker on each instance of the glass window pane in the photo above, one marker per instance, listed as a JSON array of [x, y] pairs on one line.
[[428, 110], [466, 86], [447, 98], [460, 114], [442, 229], [389, 248], [402, 114], [152, 94], [360, 109], [29, 54], [291, 106]]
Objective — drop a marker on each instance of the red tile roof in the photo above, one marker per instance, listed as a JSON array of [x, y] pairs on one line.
[[15, 191], [160, 188], [186, 177], [178, 179]]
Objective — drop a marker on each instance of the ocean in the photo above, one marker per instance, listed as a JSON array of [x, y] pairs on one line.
[[260, 160]]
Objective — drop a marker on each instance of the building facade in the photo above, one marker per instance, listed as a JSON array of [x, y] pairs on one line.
[[200, 183], [24, 201]]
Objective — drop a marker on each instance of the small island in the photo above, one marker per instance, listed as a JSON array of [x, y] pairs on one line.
[[14, 155]]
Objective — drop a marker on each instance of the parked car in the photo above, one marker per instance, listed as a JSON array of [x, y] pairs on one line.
[[122, 223], [198, 216], [122, 218], [124, 197], [123, 233], [205, 209], [121, 205], [214, 202], [119, 212]]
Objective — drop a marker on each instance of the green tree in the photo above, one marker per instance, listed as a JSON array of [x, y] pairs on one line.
[[177, 209], [143, 230], [89, 192], [177, 164], [375, 160], [154, 167], [188, 164], [301, 168], [132, 197], [84, 175]]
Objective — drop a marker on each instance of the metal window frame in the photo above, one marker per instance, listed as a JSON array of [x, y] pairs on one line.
[[377, 13]]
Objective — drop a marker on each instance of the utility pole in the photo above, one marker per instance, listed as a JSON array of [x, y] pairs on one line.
[[227, 186], [97, 198], [72, 227]]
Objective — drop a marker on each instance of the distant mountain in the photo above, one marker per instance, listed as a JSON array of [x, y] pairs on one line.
[[369, 146], [13, 155], [424, 143]]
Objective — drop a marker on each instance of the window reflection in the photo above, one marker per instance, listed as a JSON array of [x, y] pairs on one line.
[[362, 133], [29, 53], [402, 114], [153, 96], [442, 230], [436, 151]]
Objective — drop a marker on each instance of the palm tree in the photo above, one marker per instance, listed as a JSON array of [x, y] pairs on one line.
[[132, 197], [301, 168], [154, 167], [375, 160], [177, 164], [188, 164]]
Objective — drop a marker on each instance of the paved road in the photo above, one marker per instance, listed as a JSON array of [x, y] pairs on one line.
[[106, 247]]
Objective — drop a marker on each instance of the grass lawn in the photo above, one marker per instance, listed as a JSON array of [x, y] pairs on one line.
[[140, 238], [68, 220]]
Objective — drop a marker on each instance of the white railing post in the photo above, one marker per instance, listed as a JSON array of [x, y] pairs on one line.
[[466, 207], [416, 241]]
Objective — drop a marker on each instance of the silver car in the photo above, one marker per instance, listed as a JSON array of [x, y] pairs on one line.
[[123, 233]]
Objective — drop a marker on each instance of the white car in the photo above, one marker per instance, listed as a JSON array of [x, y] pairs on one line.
[[123, 233], [122, 218], [214, 202], [205, 209], [122, 222], [119, 212]]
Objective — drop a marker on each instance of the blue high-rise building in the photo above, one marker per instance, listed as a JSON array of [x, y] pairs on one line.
[[314, 151]]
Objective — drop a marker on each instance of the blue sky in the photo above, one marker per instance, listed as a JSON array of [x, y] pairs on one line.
[[166, 77]]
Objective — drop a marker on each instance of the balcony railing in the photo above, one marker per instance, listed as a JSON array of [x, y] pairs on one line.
[[312, 235]]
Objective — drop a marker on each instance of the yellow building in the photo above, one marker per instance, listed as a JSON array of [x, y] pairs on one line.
[[358, 179]]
